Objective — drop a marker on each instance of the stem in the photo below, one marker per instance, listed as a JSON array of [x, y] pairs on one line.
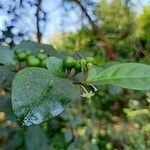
[[84, 89], [79, 55], [95, 89], [39, 34], [78, 83], [110, 53]]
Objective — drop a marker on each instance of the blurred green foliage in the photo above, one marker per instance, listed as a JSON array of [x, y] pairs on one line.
[[143, 27], [116, 119]]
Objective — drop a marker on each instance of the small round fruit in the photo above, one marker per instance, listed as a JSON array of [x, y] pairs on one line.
[[33, 62], [42, 56], [30, 57], [78, 66], [89, 65], [83, 62], [90, 60], [43, 64], [17, 51], [69, 62], [22, 56]]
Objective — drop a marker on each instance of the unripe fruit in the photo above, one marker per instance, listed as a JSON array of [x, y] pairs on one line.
[[83, 62], [17, 51], [78, 66], [90, 60], [30, 57], [22, 56], [33, 62], [43, 63], [89, 65], [69, 62], [41, 56]]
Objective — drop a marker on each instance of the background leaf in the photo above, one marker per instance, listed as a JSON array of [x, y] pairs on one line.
[[54, 65], [7, 57], [35, 47], [38, 96], [39, 139], [6, 107], [6, 77], [128, 75], [92, 73]]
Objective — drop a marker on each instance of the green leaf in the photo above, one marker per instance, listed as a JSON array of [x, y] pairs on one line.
[[6, 77], [37, 95], [92, 73], [35, 48], [54, 65], [128, 75], [7, 57]]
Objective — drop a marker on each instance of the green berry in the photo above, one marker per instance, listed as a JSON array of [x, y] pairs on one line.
[[41, 56], [89, 65], [83, 62], [30, 57], [69, 62], [78, 66], [22, 56], [90, 60], [33, 62], [17, 51], [43, 64]]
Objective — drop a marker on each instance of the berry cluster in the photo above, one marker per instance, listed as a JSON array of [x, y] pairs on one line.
[[70, 63], [32, 60]]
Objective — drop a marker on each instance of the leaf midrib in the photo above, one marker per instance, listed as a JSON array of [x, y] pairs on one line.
[[32, 105], [98, 78]]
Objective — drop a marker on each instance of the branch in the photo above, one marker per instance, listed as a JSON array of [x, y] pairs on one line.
[[39, 34], [110, 53]]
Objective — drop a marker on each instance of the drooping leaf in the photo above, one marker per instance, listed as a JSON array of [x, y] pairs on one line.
[[6, 77], [7, 57], [128, 75], [54, 65], [34, 134], [92, 73], [37, 95], [35, 48]]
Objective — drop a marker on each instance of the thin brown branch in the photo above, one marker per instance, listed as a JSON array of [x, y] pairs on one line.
[[39, 34], [110, 53]]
